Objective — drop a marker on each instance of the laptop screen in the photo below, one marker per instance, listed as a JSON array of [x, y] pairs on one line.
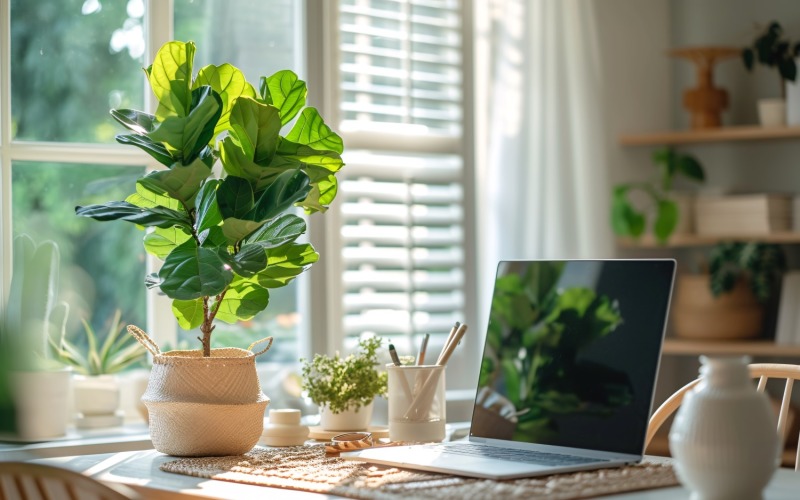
[[572, 352]]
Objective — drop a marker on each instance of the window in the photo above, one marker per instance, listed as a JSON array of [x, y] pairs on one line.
[[402, 201], [393, 85]]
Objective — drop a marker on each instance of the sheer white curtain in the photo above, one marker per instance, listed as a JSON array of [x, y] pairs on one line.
[[543, 181]]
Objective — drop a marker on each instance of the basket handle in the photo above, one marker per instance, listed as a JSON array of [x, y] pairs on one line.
[[259, 353], [144, 339]]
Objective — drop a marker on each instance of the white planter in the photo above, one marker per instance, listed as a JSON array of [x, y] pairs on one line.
[[284, 429], [772, 112], [793, 100], [97, 401], [348, 420], [724, 439], [41, 399]]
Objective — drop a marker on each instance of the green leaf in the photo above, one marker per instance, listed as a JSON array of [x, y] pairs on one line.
[[286, 262], [234, 198], [330, 161], [321, 195], [666, 219], [691, 168], [242, 301], [208, 214], [278, 231], [512, 380], [181, 182], [170, 76], [155, 216], [147, 199], [162, 241], [230, 83], [188, 135], [625, 220], [149, 146], [255, 128], [236, 230], [237, 163], [189, 313], [289, 187], [190, 272], [748, 58], [310, 130], [249, 260], [285, 91], [213, 237], [138, 121]]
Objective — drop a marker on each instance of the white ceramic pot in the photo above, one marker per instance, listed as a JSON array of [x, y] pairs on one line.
[[42, 401], [347, 420], [723, 439], [284, 429], [772, 112], [96, 395]]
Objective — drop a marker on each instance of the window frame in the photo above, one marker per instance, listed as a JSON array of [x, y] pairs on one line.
[[320, 294]]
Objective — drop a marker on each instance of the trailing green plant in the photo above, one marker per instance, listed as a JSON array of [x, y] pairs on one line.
[[225, 239], [34, 319], [627, 221], [342, 383], [117, 352], [760, 264], [774, 51]]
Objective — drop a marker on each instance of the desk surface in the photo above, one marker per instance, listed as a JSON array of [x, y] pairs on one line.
[[140, 470]]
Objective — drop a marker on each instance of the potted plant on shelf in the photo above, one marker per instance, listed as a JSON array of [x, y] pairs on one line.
[[728, 302], [34, 321], [95, 387], [225, 238], [773, 50], [668, 208], [345, 388]]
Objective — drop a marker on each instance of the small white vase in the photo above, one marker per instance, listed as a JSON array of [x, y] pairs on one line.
[[97, 401], [284, 429], [42, 403], [347, 420], [772, 112], [723, 439]]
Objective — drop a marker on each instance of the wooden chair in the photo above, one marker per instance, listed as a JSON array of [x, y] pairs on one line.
[[30, 481], [762, 371]]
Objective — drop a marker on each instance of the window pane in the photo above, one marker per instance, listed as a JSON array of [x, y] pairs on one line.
[[259, 38], [102, 263], [71, 61]]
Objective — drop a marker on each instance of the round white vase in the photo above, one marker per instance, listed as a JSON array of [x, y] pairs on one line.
[[347, 420], [723, 439]]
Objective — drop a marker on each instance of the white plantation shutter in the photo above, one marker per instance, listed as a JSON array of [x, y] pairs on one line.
[[402, 192]]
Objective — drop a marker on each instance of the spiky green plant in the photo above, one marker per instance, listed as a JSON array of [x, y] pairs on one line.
[[117, 352]]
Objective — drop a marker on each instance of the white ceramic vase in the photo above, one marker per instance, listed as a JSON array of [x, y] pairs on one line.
[[772, 112], [284, 429], [347, 420], [723, 439], [97, 401]]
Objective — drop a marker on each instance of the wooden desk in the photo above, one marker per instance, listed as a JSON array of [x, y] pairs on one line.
[[139, 469]]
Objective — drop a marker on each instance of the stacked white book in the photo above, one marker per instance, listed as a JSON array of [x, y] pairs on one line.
[[743, 214], [787, 331]]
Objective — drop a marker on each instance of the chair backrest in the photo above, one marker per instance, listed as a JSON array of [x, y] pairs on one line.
[[30, 481], [761, 371]]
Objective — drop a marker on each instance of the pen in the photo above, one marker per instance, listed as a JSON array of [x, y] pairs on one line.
[[393, 354], [422, 348]]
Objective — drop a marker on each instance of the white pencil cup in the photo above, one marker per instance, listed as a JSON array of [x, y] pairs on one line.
[[416, 403]]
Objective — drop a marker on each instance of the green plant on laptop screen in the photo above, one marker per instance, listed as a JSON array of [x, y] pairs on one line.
[[536, 335]]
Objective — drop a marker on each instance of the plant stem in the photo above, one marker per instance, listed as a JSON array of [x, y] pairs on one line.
[[209, 313]]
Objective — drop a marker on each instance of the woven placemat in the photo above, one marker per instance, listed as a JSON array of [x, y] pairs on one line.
[[307, 468]]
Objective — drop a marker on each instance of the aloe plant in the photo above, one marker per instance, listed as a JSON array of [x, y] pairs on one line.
[[117, 351], [225, 239], [34, 319]]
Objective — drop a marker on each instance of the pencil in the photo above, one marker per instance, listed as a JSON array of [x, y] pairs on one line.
[[447, 342], [422, 348]]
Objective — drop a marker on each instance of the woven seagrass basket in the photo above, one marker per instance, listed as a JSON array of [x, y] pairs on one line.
[[204, 406]]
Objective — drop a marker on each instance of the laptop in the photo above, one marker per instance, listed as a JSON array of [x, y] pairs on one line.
[[570, 360]]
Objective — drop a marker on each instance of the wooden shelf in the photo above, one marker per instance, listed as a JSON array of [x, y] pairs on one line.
[[739, 133], [696, 240], [752, 347]]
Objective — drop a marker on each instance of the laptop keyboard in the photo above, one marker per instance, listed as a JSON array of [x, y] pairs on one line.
[[515, 455]]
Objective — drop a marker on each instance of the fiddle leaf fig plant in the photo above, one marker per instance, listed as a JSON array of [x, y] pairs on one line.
[[225, 239], [627, 220]]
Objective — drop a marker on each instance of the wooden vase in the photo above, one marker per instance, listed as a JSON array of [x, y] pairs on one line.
[[705, 102]]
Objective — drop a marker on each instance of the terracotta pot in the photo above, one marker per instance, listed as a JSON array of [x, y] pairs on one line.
[[697, 314]]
